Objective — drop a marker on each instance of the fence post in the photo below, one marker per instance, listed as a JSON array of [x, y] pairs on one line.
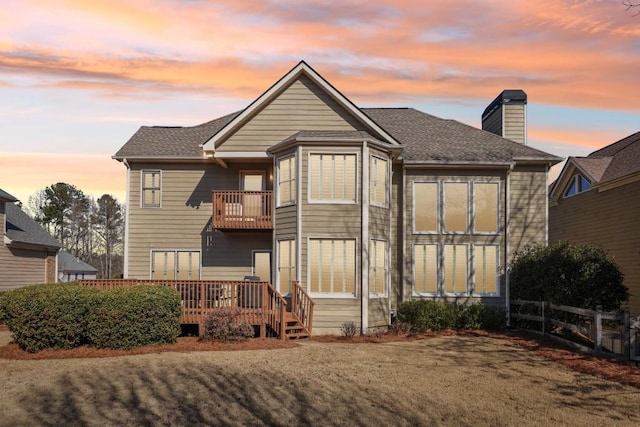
[[598, 322]]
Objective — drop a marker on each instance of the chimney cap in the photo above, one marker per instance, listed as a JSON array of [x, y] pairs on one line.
[[507, 96]]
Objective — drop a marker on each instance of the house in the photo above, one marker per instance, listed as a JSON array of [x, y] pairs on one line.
[[70, 268], [27, 251], [596, 200], [363, 207]]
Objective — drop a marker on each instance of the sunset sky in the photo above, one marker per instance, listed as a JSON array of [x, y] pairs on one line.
[[77, 78]]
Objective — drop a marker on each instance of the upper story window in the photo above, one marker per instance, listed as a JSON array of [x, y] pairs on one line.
[[287, 181], [578, 185], [332, 178], [456, 207], [151, 188], [445, 207], [378, 181]]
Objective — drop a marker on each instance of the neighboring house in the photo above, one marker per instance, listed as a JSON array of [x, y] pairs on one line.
[[596, 200], [27, 251], [70, 268], [365, 207]]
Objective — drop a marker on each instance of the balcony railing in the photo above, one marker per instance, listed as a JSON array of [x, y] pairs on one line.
[[248, 210]]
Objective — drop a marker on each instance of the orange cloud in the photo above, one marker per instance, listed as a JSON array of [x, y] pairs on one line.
[[23, 174]]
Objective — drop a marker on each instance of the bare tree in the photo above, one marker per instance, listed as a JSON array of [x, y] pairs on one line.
[[108, 223], [632, 5]]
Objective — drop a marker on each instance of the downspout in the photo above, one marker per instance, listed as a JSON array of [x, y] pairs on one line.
[[364, 276], [507, 246], [127, 197]]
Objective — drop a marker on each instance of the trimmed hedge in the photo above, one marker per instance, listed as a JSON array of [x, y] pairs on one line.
[[424, 315], [131, 317], [68, 315], [48, 316]]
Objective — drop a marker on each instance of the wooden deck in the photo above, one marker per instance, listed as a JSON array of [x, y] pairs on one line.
[[259, 303]]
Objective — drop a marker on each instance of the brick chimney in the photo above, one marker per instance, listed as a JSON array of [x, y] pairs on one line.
[[506, 116]]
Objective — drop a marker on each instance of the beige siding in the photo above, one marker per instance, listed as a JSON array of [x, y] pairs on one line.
[[397, 232], [286, 221], [184, 220], [514, 122], [21, 267], [528, 212], [330, 313], [609, 219], [302, 106], [378, 312]]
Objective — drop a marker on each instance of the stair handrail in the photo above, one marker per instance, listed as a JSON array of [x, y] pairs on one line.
[[302, 305], [278, 308]]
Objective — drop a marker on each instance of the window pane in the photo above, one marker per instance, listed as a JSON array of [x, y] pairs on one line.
[[287, 181], [426, 269], [262, 265], [188, 267], [456, 205], [332, 176], [378, 181], [163, 265], [425, 195], [455, 269], [315, 176], [486, 207], [377, 267], [150, 188], [332, 266], [486, 269], [286, 264]]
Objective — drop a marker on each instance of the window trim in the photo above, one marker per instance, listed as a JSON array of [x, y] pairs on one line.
[[473, 209], [292, 256], [385, 268], [577, 181], [294, 180], [438, 207], [372, 188], [175, 262], [333, 295], [143, 188], [311, 200], [498, 272], [443, 288]]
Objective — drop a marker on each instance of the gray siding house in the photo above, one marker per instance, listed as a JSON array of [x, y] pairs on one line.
[[596, 200], [364, 207], [27, 251]]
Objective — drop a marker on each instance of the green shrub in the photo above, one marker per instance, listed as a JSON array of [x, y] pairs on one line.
[[3, 310], [424, 315], [577, 275], [48, 316], [130, 317], [226, 324]]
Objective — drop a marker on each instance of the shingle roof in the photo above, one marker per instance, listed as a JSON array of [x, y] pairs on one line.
[[22, 229], [172, 142], [594, 167], [624, 155], [4, 196], [70, 264], [429, 138]]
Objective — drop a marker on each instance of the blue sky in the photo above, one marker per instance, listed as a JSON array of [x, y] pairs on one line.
[[78, 78]]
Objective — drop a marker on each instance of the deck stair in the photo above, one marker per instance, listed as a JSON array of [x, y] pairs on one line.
[[294, 328]]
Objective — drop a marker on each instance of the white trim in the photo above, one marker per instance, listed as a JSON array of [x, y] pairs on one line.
[[472, 260], [142, 172], [276, 273], [276, 183], [244, 172], [241, 155], [357, 268], [443, 289], [524, 126], [387, 183], [175, 260], [127, 196], [385, 284], [301, 69], [364, 228], [253, 262], [299, 212], [404, 280], [414, 292]]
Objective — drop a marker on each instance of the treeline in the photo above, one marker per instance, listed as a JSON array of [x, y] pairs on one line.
[[91, 230]]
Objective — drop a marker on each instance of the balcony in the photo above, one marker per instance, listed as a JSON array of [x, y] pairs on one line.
[[242, 210]]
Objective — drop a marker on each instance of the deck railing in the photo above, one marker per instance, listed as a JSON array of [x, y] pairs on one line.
[[242, 209], [302, 306], [258, 303]]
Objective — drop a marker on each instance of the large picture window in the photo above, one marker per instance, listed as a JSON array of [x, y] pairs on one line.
[[425, 206], [378, 181], [377, 268], [332, 177], [286, 265], [175, 265], [151, 189], [425, 274], [485, 207], [332, 267], [486, 269], [287, 181]]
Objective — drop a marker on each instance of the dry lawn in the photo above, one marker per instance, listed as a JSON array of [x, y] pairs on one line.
[[446, 380]]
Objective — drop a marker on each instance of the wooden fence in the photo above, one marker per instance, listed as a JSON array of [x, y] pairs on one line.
[[611, 334]]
